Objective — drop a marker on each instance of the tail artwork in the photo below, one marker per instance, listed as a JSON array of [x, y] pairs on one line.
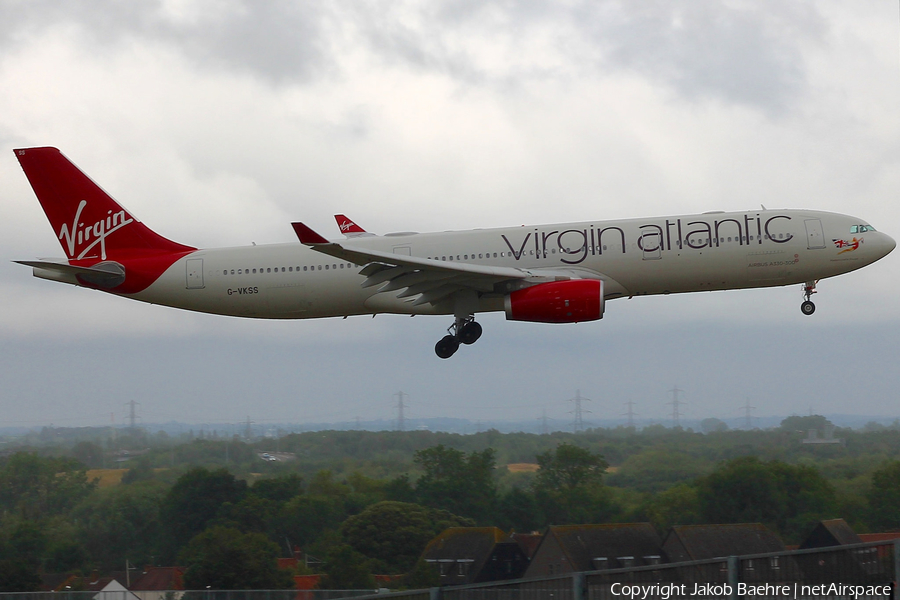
[[349, 228], [105, 245]]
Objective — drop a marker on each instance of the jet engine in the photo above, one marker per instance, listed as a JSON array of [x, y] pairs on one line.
[[570, 301]]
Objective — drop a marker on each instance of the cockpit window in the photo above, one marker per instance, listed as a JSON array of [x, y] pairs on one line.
[[861, 228]]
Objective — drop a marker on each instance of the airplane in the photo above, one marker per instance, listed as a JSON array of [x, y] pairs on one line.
[[561, 273]]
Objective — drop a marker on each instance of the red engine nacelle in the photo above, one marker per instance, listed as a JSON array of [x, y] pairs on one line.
[[558, 302]]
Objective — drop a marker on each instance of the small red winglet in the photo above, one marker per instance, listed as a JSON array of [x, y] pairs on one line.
[[306, 235], [347, 226]]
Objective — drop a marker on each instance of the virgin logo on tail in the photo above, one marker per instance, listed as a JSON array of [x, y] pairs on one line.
[[79, 234]]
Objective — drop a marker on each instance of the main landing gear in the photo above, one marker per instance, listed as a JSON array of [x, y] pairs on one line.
[[463, 331], [809, 288]]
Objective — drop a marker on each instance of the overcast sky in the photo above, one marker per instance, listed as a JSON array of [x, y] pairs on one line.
[[219, 122]]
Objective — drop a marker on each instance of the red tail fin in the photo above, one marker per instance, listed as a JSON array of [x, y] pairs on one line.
[[87, 221]]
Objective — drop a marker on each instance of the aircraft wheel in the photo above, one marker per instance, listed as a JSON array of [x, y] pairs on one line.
[[446, 347], [470, 332], [807, 308]]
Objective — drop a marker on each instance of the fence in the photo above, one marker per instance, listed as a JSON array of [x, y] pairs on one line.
[[859, 571]]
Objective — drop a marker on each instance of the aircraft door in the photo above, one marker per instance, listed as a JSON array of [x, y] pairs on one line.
[[407, 250], [815, 238], [651, 244], [194, 275]]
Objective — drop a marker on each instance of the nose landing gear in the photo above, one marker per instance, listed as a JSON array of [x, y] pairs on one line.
[[809, 288], [463, 331]]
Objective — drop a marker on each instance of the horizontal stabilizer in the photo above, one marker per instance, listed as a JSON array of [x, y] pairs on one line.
[[105, 275]]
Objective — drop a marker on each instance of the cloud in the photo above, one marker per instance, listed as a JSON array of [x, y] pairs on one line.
[[218, 123]]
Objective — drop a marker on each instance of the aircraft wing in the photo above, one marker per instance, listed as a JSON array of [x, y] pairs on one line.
[[431, 280]]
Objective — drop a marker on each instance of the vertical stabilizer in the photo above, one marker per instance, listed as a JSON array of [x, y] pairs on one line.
[[89, 224]]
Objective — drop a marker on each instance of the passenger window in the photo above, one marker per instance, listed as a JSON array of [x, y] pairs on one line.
[[282, 269], [495, 255], [232, 271], [326, 267], [320, 267], [304, 268], [254, 270], [466, 256]]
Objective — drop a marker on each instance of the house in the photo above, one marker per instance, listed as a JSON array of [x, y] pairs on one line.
[[833, 532], [864, 563], [700, 542], [529, 542], [113, 590], [474, 555], [153, 580], [704, 542], [573, 548]]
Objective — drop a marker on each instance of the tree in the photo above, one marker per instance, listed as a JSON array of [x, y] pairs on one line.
[[38, 487], [518, 510], [804, 424], [569, 467], [121, 522], [677, 505], [141, 471], [223, 558], [278, 489], [786, 497], [305, 518], [346, 569], [568, 487], [463, 484], [192, 502], [884, 497], [713, 425], [88, 454], [395, 533]]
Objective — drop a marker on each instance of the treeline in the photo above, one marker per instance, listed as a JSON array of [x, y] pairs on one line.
[[362, 503]]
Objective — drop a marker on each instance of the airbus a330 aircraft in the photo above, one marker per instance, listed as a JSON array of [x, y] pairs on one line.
[[561, 273]]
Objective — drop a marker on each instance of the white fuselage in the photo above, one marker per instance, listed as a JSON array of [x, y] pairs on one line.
[[710, 251]]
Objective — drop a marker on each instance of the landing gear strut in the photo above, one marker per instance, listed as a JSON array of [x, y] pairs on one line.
[[463, 331], [809, 288]]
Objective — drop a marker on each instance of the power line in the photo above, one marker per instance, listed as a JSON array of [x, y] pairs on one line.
[[545, 426], [401, 420], [676, 414], [748, 418], [132, 416], [578, 424]]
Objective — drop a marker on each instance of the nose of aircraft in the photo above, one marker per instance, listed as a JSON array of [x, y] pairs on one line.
[[887, 244]]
